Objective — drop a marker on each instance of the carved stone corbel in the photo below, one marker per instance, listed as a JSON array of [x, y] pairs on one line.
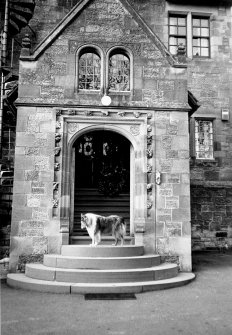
[[57, 137], [149, 153], [149, 187], [149, 168], [57, 151]]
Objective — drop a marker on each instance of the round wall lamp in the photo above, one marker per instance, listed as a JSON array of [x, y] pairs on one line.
[[106, 100]]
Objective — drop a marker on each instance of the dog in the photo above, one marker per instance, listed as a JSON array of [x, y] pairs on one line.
[[97, 224]]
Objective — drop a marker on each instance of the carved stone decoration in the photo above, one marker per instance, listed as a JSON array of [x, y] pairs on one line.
[[149, 187], [88, 113], [137, 114], [57, 166], [106, 113], [122, 113], [55, 186], [149, 139], [71, 112], [135, 130], [149, 153], [57, 137], [58, 124], [149, 128], [149, 205], [149, 115], [158, 178], [55, 203], [58, 112], [73, 127], [57, 151], [149, 168]]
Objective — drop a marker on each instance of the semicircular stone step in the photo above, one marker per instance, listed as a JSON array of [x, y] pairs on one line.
[[102, 250], [20, 281], [71, 262], [163, 271]]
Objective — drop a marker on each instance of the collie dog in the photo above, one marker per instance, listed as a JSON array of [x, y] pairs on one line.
[[97, 224]]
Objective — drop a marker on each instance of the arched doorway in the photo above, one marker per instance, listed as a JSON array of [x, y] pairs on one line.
[[102, 176]]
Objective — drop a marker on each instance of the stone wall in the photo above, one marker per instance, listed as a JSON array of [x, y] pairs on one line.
[[48, 82], [173, 193], [211, 207], [33, 231]]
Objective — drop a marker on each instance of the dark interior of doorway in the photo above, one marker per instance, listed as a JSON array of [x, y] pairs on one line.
[[102, 176]]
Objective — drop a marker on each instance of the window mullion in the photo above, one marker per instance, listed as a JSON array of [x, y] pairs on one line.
[[189, 35]]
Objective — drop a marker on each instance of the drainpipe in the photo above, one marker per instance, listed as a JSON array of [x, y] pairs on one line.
[[2, 63]]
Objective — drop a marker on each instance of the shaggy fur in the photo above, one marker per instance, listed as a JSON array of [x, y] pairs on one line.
[[97, 224]]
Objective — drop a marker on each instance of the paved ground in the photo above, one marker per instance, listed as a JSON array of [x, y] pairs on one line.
[[202, 307]]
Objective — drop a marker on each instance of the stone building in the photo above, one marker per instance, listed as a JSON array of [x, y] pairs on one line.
[[124, 108]]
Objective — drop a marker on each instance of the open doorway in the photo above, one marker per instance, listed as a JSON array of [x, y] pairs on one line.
[[102, 176]]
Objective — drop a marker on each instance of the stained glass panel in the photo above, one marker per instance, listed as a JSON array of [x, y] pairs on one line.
[[204, 139], [119, 73], [89, 71]]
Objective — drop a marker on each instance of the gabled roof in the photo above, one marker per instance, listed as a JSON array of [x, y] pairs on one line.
[[77, 9]]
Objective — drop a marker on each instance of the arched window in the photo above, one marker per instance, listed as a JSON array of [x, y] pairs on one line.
[[89, 70], [119, 71]]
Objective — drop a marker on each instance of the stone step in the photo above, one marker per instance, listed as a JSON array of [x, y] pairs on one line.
[[106, 240], [101, 263], [20, 281], [102, 250], [42, 272]]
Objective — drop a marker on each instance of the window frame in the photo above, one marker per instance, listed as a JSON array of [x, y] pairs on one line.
[[193, 151], [89, 49], [126, 52], [189, 33], [178, 16], [200, 17]]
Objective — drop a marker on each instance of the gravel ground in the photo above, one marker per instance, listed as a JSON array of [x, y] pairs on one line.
[[201, 307]]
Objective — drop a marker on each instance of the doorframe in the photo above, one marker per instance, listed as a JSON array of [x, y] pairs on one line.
[[135, 131]]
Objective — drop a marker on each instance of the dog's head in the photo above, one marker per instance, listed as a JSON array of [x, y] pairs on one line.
[[84, 221]]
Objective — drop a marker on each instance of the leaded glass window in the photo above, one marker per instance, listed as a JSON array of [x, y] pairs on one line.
[[200, 36], [89, 71], [204, 139], [177, 32], [119, 72]]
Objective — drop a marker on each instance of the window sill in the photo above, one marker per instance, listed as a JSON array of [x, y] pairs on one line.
[[119, 93], [88, 92], [205, 159]]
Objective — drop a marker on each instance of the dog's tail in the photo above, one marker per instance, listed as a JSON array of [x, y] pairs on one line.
[[123, 223]]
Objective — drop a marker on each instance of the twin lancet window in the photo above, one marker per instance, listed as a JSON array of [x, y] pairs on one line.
[[92, 70]]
